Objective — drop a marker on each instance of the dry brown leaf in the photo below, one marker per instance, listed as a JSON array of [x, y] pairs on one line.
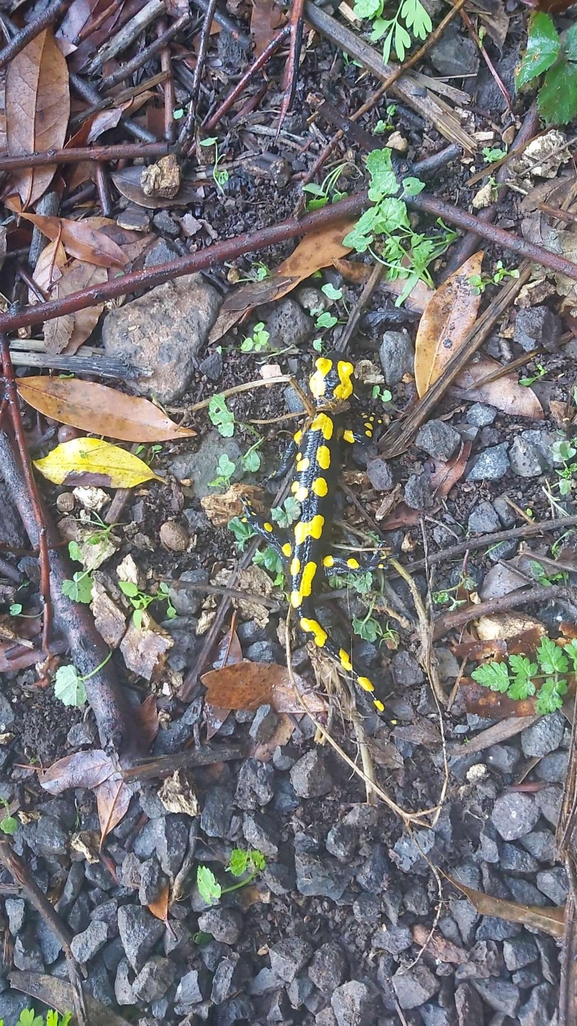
[[229, 652], [99, 409], [221, 508], [439, 947], [159, 907], [505, 394], [447, 319], [247, 685], [493, 705], [282, 735], [178, 795], [81, 239], [507, 625], [112, 801], [265, 20], [445, 475], [37, 111], [145, 648], [128, 184], [550, 920], [83, 769], [76, 275]]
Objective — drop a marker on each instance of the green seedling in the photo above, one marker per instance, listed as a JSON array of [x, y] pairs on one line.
[[540, 373], [79, 589], [257, 272], [479, 282], [492, 155], [286, 514], [270, 561], [242, 532], [8, 824], [318, 345], [219, 174], [411, 19], [326, 320], [28, 1017], [382, 394], [224, 471], [256, 342], [385, 229], [148, 453], [545, 579], [327, 192], [140, 601], [251, 460], [69, 684], [331, 292], [520, 678], [359, 582], [220, 415], [247, 864], [563, 452], [555, 57]]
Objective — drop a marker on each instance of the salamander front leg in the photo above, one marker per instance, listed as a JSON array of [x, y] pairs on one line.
[[272, 534], [367, 562]]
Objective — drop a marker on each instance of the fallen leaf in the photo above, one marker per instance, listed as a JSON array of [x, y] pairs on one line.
[[159, 907], [113, 797], [128, 184], [222, 508], [59, 277], [59, 994], [264, 751], [178, 795], [83, 769], [147, 723], [550, 920], [439, 947], [492, 705], [229, 652], [447, 318], [81, 239], [247, 685], [445, 475], [97, 408], [145, 648], [84, 461], [505, 394], [356, 274], [265, 20], [507, 625], [37, 111]]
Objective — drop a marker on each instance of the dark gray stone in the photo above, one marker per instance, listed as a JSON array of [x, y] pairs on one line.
[[261, 832], [299, 990], [288, 324], [493, 928], [266, 651], [279, 878], [264, 982], [415, 986], [526, 459], [480, 415], [354, 1004], [139, 932], [6, 711], [27, 955], [484, 519], [212, 366], [367, 908], [321, 877], [51, 838], [499, 995], [536, 327], [406, 670], [503, 758], [224, 924], [523, 891], [435, 1015], [289, 957], [490, 465], [553, 768], [525, 978], [394, 939], [83, 733], [264, 724], [519, 952], [549, 801], [553, 883], [230, 974], [380, 474], [154, 979], [123, 983], [454, 54], [468, 1005], [172, 842], [310, 777], [515, 860], [255, 785], [514, 815], [199, 467], [216, 816], [540, 844], [438, 439], [184, 598], [87, 944], [15, 911], [540, 1006], [328, 967], [396, 355], [152, 881], [418, 491], [342, 841], [375, 873], [99, 986], [409, 856], [544, 736]]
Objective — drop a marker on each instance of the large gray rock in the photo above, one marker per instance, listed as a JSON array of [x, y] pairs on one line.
[[160, 333]]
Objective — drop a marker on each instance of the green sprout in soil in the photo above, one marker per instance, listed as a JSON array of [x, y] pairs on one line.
[[219, 174], [8, 823], [479, 282], [564, 452], [258, 341], [240, 864], [140, 601], [540, 373], [79, 589], [411, 19], [69, 684], [520, 678], [555, 57], [327, 192], [220, 415]]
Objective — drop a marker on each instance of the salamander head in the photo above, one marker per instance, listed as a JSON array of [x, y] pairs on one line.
[[332, 380]]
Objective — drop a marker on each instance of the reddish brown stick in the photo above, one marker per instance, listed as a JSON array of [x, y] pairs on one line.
[[186, 135], [30, 31], [242, 83], [292, 66], [122, 151], [229, 249]]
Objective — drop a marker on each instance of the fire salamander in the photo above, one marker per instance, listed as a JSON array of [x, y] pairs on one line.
[[305, 549]]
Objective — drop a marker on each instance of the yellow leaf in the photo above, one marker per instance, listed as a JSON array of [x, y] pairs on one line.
[[89, 461]]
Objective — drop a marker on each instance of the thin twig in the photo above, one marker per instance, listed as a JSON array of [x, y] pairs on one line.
[[141, 58], [259, 63], [293, 61], [522, 597], [186, 135]]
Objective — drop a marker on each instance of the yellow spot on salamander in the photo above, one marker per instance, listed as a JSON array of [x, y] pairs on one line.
[[268, 527], [365, 684], [368, 424], [345, 372], [345, 660], [324, 457], [329, 561], [297, 436], [301, 493], [348, 436], [309, 529], [378, 705], [296, 599], [295, 487], [323, 424], [318, 380], [303, 464], [313, 627], [307, 579], [286, 549], [295, 566], [320, 487], [353, 563]]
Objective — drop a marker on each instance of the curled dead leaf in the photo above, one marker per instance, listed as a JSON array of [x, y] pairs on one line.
[[247, 685]]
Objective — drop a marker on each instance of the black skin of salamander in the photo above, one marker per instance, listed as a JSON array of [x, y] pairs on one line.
[[316, 457]]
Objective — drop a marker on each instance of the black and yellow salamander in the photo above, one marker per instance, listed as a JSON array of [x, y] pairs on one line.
[[305, 548]]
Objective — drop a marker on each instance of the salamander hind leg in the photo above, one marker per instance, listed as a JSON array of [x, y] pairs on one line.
[[310, 625], [366, 562]]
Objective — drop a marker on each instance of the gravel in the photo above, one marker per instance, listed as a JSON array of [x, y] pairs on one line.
[[544, 736], [396, 355], [514, 815], [490, 465]]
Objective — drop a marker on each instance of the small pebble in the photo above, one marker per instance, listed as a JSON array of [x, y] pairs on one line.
[[174, 536]]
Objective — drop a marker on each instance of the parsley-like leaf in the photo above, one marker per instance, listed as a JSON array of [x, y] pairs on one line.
[[208, 886], [551, 657], [494, 676]]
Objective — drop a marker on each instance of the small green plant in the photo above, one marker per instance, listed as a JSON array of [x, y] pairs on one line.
[[411, 18], [140, 601], [359, 582], [327, 192], [28, 1017], [331, 292], [251, 460], [256, 342], [520, 678], [79, 589], [326, 320], [448, 596], [219, 174], [382, 394], [318, 345], [8, 824], [555, 58], [386, 232], [148, 453], [240, 864], [242, 531], [538, 572], [386, 126], [492, 155], [540, 373], [371, 630], [224, 471], [69, 684], [479, 282], [270, 561], [220, 415], [563, 452], [257, 272], [286, 514]]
